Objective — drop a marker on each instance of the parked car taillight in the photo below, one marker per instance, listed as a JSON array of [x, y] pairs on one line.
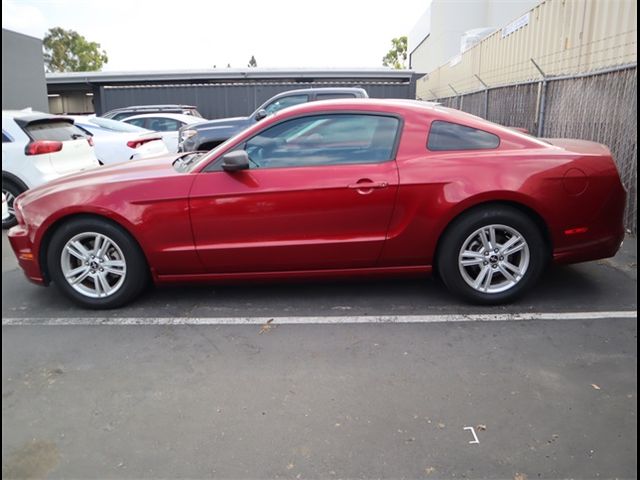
[[42, 146], [90, 140], [141, 141]]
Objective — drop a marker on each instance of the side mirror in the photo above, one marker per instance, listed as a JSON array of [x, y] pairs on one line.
[[260, 114], [235, 161]]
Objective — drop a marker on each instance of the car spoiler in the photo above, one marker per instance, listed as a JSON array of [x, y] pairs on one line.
[[520, 129], [35, 119]]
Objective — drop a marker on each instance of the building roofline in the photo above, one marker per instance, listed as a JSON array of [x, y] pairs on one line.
[[22, 34], [225, 74]]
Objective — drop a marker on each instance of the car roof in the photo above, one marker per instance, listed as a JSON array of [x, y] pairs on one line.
[[151, 107], [386, 104], [174, 116], [400, 106], [320, 90]]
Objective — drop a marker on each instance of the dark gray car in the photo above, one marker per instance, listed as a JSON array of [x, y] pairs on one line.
[[207, 135]]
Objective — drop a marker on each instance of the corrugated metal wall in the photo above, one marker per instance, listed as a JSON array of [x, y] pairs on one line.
[[562, 36], [231, 99]]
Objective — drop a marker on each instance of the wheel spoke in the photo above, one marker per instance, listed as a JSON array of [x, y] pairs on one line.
[[102, 245], [97, 242], [113, 270], [507, 274], [488, 280], [76, 271], [513, 268], [481, 276], [470, 258], [79, 273], [514, 245], [77, 250], [102, 279], [96, 286], [493, 243], [485, 241]]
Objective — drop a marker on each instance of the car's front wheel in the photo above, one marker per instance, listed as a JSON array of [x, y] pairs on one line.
[[492, 255], [96, 263], [10, 192]]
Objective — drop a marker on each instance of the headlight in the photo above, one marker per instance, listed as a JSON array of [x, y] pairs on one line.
[[186, 134]]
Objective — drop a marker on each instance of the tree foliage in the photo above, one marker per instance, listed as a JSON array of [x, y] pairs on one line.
[[252, 62], [68, 51], [397, 56]]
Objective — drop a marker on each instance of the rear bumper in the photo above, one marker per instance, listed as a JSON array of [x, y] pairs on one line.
[[593, 250], [26, 255]]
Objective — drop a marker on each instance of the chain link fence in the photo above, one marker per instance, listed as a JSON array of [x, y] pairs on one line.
[[601, 107]]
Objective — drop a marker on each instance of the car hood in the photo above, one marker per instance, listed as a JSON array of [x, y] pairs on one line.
[[234, 122], [146, 169]]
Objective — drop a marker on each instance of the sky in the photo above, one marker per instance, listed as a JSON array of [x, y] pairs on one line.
[[198, 34]]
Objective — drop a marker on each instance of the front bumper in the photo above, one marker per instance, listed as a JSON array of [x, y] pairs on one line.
[[26, 255]]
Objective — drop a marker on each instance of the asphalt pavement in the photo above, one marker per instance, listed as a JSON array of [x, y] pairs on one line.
[[517, 397]]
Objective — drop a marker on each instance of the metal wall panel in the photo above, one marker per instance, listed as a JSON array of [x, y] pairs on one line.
[[562, 36], [231, 99], [23, 81]]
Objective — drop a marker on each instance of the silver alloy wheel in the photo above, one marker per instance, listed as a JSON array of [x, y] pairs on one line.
[[93, 264], [494, 258], [10, 199]]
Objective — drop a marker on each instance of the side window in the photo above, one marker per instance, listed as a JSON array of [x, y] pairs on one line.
[[333, 139], [285, 102], [447, 136], [163, 124], [329, 96], [6, 138], [138, 122], [121, 115]]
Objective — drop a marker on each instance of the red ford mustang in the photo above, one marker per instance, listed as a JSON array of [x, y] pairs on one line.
[[330, 189]]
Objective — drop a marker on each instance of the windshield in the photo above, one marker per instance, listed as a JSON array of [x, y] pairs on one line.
[[207, 156], [115, 125]]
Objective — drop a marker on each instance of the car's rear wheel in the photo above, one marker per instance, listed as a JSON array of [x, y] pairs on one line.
[[96, 263], [492, 255], [10, 191]]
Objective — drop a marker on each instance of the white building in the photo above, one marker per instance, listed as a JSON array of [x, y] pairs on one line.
[[436, 38]]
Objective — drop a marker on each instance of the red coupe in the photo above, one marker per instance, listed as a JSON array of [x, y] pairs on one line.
[[330, 189]]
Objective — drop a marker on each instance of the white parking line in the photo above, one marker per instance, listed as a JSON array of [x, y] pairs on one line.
[[322, 320]]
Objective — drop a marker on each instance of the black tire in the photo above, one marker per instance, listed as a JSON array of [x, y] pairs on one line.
[[137, 270], [463, 227], [10, 188]]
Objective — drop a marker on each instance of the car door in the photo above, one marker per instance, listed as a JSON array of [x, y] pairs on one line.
[[319, 195]]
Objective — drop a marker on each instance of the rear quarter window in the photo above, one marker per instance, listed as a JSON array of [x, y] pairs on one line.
[[447, 136], [55, 130]]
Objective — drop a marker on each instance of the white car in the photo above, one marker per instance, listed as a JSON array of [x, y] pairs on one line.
[[5, 208], [167, 124], [117, 142], [37, 148]]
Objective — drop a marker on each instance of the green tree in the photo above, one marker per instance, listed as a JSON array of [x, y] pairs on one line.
[[68, 51], [397, 56], [252, 62]]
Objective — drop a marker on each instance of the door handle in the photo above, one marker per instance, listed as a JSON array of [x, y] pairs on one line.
[[368, 185]]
